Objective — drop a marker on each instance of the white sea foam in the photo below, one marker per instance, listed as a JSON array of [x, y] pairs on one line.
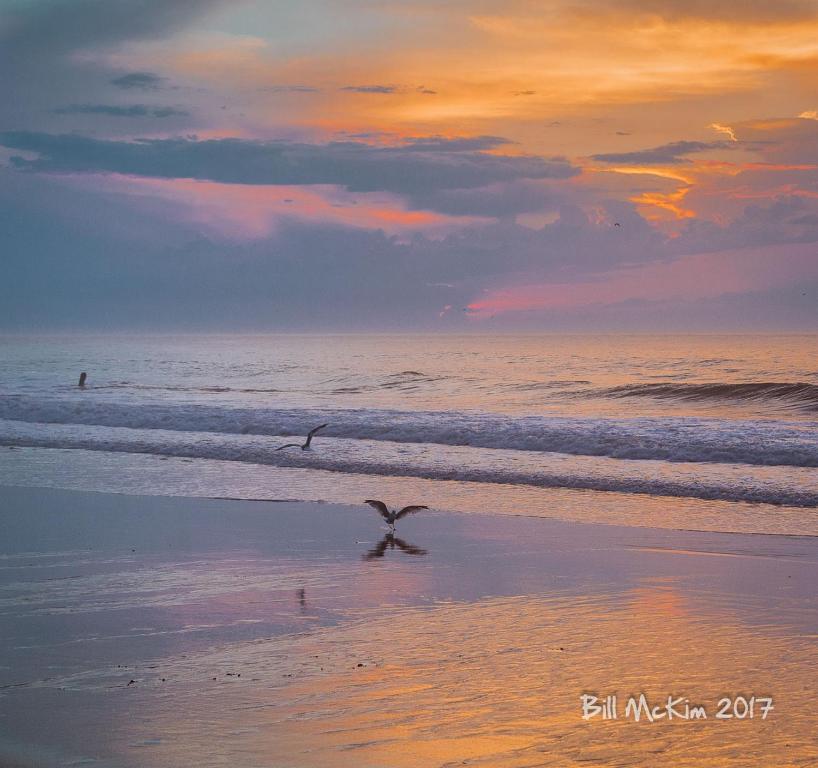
[[673, 439], [791, 486]]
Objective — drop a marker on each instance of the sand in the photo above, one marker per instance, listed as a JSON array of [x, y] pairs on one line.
[[295, 634]]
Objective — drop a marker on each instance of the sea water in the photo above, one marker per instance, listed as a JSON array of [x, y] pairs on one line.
[[715, 432]]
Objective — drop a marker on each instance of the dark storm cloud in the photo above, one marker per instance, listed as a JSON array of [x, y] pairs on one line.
[[356, 166], [131, 110], [673, 153], [144, 81]]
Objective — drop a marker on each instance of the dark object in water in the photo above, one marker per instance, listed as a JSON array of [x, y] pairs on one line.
[[83, 377]]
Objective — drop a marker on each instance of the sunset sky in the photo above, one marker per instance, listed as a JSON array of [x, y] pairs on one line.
[[460, 165]]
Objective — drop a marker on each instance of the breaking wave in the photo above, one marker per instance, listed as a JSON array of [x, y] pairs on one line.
[[674, 439], [771, 485], [799, 394]]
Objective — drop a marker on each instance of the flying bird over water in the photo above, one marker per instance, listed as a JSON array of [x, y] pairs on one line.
[[306, 445], [393, 516]]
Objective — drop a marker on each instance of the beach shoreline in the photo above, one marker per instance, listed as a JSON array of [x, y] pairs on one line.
[[305, 621], [175, 476]]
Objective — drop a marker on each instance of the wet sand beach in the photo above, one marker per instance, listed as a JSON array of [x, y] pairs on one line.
[[157, 631]]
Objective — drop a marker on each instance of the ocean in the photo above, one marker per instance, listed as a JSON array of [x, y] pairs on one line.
[[703, 432]]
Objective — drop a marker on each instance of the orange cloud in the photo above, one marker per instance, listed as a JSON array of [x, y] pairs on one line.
[[460, 69], [725, 129]]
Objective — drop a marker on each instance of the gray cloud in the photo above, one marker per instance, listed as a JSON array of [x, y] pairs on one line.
[[290, 89], [38, 38], [130, 266], [145, 81], [673, 153], [55, 27], [456, 144], [782, 11], [789, 140], [496, 201], [126, 267], [76, 256], [388, 89], [359, 167], [786, 219], [370, 88], [131, 110]]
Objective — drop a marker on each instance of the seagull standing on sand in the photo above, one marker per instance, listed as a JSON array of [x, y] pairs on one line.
[[306, 446], [395, 515]]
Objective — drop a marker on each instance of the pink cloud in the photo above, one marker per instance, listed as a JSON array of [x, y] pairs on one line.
[[689, 278], [251, 212]]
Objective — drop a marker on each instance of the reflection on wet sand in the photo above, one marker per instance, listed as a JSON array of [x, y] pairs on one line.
[[494, 683], [264, 639], [390, 541]]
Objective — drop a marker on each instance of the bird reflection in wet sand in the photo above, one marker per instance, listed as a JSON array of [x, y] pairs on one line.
[[390, 541], [302, 598]]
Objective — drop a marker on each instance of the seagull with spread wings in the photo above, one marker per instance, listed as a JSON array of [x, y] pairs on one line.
[[306, 445], [393, 516]]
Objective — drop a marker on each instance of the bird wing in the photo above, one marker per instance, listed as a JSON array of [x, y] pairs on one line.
[[380, 506], [289, 445], [312, 432], [409, 510]]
